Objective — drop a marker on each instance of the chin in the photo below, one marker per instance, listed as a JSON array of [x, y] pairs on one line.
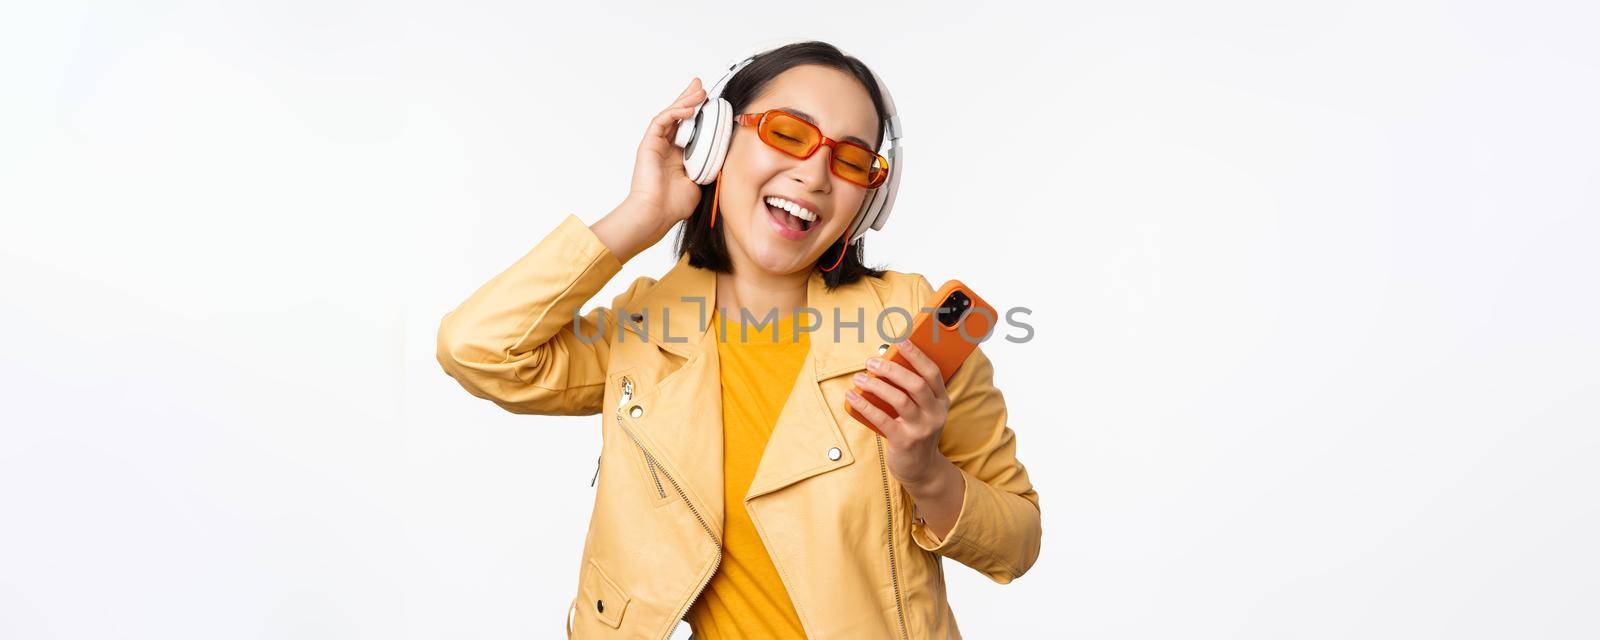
[[776, 255], [780, 262]]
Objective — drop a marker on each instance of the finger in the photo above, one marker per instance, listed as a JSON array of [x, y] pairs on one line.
[[885, 424], [902, 403], [924, 366], [694, 93], [694, 84], [664, 123], [690, 99], [903, 378], [674, 114]]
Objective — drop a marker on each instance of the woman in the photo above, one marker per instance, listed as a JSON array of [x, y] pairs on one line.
[[734, 491]]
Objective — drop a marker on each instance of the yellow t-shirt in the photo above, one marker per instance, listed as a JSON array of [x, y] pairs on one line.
[[746, 597]]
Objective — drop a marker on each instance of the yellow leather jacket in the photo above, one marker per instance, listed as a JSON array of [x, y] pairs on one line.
[[838, 526]]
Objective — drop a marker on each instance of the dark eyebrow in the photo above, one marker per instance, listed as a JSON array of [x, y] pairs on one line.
[[807, 117]]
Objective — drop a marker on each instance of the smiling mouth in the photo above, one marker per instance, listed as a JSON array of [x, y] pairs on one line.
[[797, 220], [789, 220]]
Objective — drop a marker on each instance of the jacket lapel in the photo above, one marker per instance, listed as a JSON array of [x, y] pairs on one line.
[[807, 429], [681, 423], [683, 428]]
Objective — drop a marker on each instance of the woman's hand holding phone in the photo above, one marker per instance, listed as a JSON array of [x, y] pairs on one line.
[[906, 402], [662, 194], [918, 396]]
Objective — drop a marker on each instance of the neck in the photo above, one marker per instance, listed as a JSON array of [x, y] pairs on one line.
[[760, 292]]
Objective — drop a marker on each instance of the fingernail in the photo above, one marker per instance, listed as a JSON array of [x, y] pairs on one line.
[[851, 394], [860, 377], [872, 363]]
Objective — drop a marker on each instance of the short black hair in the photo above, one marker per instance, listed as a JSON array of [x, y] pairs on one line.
[[705, 245]]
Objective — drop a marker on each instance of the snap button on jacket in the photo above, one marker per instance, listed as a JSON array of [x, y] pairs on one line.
[[854, 558]]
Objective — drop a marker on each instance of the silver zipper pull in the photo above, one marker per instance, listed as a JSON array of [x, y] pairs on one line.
[[627, 392]]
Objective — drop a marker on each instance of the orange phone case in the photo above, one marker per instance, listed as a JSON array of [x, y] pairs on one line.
[[946, 346]]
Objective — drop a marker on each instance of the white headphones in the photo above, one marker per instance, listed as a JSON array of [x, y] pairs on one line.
[[705, 138]]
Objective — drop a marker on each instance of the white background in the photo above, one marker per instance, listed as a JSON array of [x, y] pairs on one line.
[[1313, 289]]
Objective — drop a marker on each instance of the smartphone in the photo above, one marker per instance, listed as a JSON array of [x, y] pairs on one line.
[[947, 335]]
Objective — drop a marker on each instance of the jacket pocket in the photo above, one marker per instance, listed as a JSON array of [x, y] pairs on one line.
[[605, 599]]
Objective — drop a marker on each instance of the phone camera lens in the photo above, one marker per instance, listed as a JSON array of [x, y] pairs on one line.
[[953, 309]]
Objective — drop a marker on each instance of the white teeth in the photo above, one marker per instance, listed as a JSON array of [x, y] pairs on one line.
[[797, 210]]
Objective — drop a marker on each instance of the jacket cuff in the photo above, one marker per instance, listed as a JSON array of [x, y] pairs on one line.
[[575, 243], [925, 537], [973, 538]]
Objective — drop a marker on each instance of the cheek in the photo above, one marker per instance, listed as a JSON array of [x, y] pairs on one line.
[[748, 163], [743, 176], [845, 208]]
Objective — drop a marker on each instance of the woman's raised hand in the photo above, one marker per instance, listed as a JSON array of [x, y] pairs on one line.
[[662, 194], [658, 176]]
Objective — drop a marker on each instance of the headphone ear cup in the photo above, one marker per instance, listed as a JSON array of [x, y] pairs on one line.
[[864, 215], [689, 133], [708, 141], [686, 128], [723, 125], [887, 193], [875, 210]]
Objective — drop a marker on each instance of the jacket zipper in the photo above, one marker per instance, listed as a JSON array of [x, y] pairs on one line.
[[627, 395], [660, 492], [714, 541], [888, 508]]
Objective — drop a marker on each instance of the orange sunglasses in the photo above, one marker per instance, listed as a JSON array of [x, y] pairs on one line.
[[788, 133]]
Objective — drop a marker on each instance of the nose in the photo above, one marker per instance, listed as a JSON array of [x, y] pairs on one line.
[[813, 171]]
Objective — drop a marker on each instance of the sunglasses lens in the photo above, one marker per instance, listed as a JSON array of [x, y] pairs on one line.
[[789, 134], [858, 164], [798, 138]]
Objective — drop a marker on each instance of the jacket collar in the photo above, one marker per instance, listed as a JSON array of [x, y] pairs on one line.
[[678, 312], [688, 436]]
